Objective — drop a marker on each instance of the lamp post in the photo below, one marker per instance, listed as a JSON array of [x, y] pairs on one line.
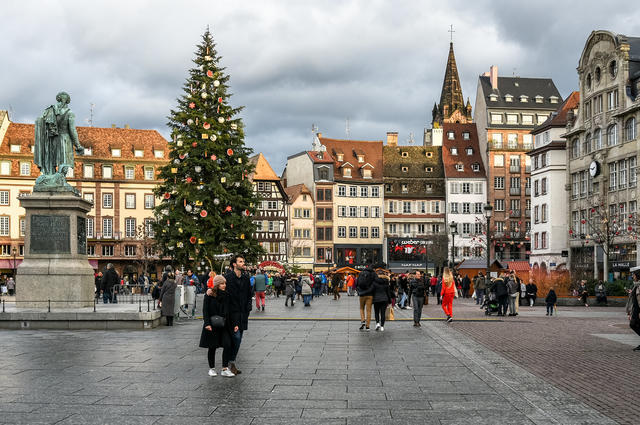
[[488, 210], [14, 263], [453, 226]]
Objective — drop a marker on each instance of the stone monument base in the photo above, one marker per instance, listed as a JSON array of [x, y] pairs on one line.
[[55, 268]]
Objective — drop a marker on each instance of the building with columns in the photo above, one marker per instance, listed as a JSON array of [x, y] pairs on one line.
[[117, 172]]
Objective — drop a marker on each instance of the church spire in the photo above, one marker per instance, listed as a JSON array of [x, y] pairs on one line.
[[451, 99]]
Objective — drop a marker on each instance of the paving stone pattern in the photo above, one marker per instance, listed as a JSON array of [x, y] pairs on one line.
[[294, 372]]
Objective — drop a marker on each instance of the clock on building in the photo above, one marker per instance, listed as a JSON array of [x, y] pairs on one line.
[[594, 168]]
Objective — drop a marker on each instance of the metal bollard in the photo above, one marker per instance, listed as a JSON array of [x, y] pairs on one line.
[[139, 305], [147, 305], [49, 306], [94, 304], [3, 306]]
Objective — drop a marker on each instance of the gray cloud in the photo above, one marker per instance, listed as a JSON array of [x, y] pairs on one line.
[[292, 63]]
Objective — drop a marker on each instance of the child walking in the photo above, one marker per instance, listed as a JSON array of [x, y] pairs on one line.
[[551, 300]]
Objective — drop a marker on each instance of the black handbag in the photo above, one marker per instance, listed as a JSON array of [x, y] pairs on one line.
[[217, 321]]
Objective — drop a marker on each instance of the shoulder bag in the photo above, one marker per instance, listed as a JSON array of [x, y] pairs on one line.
[[217, 321]]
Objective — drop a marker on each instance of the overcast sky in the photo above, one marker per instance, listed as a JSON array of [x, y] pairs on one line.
[[292, 63]]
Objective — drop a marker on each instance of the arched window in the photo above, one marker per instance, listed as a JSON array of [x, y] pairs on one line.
[[575, 148], [597, 139], [630, 129], [612, 135], [586, 145]]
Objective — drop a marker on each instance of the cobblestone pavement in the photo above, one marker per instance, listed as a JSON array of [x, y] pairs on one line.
[[294, 371]]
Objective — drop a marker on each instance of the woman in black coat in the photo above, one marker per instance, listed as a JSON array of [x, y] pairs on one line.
[[381, 298], [215, 337]]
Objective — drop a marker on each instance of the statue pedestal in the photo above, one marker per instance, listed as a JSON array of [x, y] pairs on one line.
[[55, 265]]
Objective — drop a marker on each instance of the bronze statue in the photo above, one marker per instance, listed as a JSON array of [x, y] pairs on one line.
[[55, 140]]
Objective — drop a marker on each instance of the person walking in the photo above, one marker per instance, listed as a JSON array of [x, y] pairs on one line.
[[466, 286], [168, 296], [499, 287], [448, 293], [364, 286], [480, 286], [307, 292], [513, 288], [109, 281], [239, 292], [336, 285], [432, 284], [550, 301], [217, 333], [381, 299], [418, 290], [290, 291], [350, 284], [532, 292], [439, 290], [278, 284], [260, 287], [11, 286], [633, 306]]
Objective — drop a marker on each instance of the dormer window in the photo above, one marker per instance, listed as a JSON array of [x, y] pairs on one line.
[[428, 169], [405, 169], [553, 99], [360, 158], [32, 148], [451, 135], [469, 151], [138, 153], [454, 151], [475, 168], [116, 152], [15, 149], [346, 172], [429, 154], [340, 157], [366, 173], [388, 187], [493, 97], [466, 135], [88, 151], [405, 154], [508, 98], [405, 188], [459, 166], [429, 188], [524, 98], [539, 99], [158, 153], [320, 155]]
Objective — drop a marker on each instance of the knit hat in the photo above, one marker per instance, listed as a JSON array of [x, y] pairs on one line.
[[218, 279]]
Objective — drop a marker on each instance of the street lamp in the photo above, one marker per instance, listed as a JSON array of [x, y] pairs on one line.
[[454, 230], [488, 210], [14, 263]]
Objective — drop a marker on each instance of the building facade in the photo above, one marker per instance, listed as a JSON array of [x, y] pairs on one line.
[[271, 216], [549, 250], [117, 172], [506, 110], [357, 201], [314, 169], [414, 209], [302, 235], [466, 191], [603, 157]]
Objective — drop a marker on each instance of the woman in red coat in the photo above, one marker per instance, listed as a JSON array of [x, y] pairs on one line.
[[448, 293]]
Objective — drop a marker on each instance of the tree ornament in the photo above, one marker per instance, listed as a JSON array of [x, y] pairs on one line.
[[210, 73], [193, 239], [179, 229], [194, 144], [179, 143], [200, 187], [188, 208], [223, 179], [229, 151], [247, 213], [167, 195], [204, 95], [206, 125], [197, 168], [176, 161], [228, 209], [180, 245], [174, 170], [216, 201], [216, 83], [213, 138], [198, 203], [241, 235], [189, 121], [236, 184], [201, 68], [200, 241], [192, 105], [234, 126], [239, 160], [203, 213], [171, 248], [220, 99], [182, 156], [189, 179], [221, 120], [213, 157]]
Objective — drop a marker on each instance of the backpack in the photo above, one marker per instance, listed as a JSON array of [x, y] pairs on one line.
[[155, 293], [364, 281]]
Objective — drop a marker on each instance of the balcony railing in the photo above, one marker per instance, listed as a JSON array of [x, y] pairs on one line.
[[514, 169], [514, 191], [108, 236]]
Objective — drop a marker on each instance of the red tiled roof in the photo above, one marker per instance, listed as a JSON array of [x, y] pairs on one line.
[[518, 266], [559, 118], [296, 190], [461, 145], [263, 170], [372, 151], [326, 157]]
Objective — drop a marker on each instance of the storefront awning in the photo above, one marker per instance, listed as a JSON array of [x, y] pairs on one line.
[[94, 264], [8, 264]]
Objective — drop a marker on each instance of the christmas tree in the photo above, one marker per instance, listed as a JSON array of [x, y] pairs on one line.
[[207, 200]]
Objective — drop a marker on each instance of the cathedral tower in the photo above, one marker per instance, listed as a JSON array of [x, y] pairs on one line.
[[451, 108]]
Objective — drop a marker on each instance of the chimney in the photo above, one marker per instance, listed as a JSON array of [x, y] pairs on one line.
[[392, 138], [493, 77], [127, 126]]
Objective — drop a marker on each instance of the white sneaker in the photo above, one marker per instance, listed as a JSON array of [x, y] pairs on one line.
[[227, 373], [212, 372], [381, 328], [378, 326]]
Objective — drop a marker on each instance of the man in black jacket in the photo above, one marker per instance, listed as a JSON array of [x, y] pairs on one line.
[[499, 286], [364, 285], [239, 291], [466, 285], [109, 281]]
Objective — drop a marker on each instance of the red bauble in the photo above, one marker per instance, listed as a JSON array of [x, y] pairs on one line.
[[210, 73], [219, 100], [203, 213], [247, 213], [629, 228], [181, 156], [193, 239], [194, 144], [206, 126], [167, 195], [593, 210], [189, 179], [192, 105], [213, 157], [229, 151], [583, 221]]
